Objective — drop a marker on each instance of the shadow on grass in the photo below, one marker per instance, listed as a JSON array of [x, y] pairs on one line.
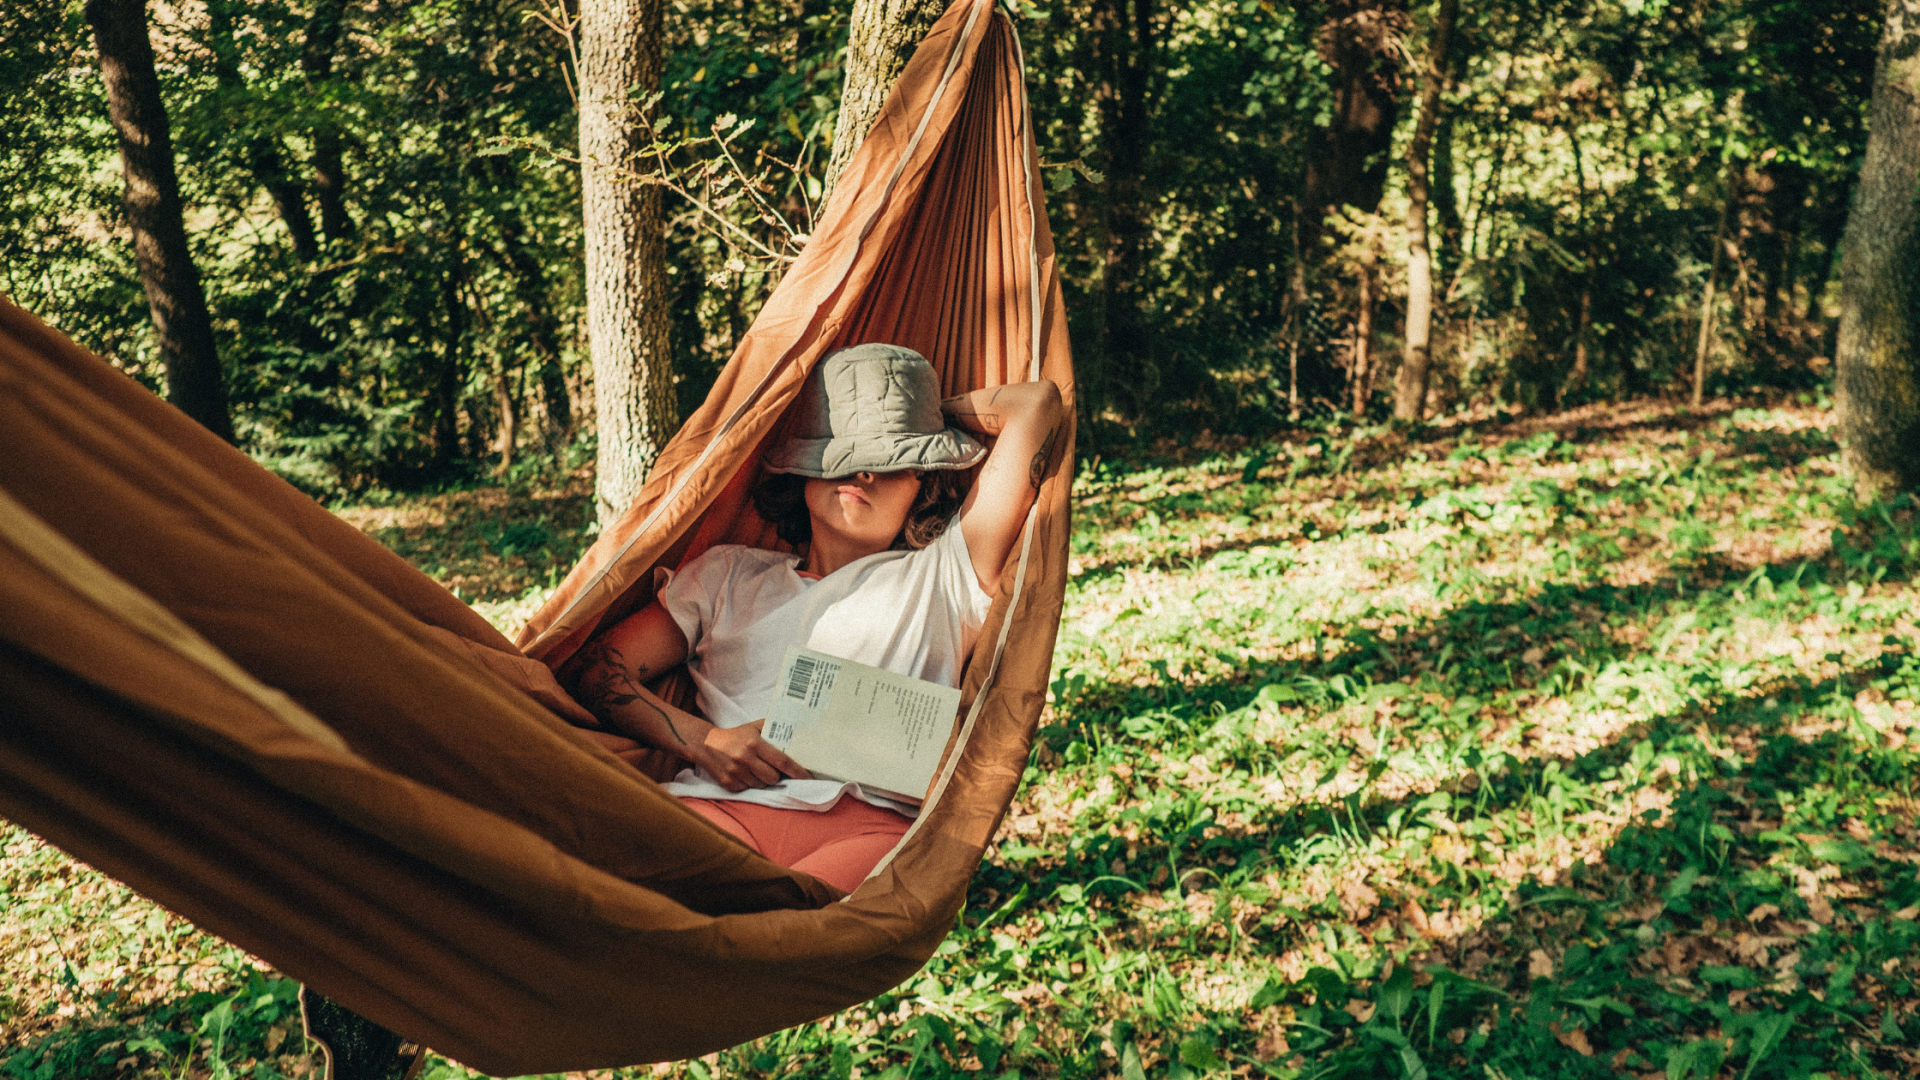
[[1776, 894]]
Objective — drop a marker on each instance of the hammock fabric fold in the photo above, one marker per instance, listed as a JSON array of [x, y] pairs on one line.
[[221, 694]]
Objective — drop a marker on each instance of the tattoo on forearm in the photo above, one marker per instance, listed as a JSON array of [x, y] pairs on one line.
[[1037, 469], [606, 683], [962, 408]]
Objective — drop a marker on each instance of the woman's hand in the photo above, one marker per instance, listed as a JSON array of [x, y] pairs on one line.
[[739, 758]]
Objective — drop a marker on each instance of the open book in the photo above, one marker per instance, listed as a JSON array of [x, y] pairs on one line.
[[848, 721]]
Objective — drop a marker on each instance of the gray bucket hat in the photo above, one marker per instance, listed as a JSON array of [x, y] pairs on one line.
[[872, 408]]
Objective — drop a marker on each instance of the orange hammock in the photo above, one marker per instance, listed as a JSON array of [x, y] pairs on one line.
[[219, 693]]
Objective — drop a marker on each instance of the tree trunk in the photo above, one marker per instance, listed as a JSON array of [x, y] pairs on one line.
[[1347, 161], [1582, 366], [881, 37], [626, 282], [451, 379], [543, 329], [1296, 325], [508, 440], [1123, 40], [261, 153], [1878, 355], [1410, 391], [1706, 302], [1446, 203], [174, 295], [329, 171], [1363, 360]]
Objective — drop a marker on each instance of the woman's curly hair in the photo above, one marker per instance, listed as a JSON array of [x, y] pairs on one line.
[[781, 501]]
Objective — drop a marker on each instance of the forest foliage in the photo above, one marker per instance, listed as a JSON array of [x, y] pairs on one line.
[[384, 209]]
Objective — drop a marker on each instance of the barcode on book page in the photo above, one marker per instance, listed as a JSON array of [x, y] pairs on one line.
[[800, 679]]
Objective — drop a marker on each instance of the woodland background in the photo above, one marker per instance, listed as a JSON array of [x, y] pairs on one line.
[[1571, 733], [381, 205]]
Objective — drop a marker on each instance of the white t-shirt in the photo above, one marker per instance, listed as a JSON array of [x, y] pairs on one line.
[[912, 612]]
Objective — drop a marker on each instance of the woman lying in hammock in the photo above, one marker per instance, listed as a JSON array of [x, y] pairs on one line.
[[898, 562]]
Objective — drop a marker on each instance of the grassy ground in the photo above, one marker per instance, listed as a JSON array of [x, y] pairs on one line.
[[1575, 746]]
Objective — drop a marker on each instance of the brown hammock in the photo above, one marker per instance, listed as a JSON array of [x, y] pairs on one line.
[[223, 695]]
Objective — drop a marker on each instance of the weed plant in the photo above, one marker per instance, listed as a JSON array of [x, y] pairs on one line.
[[1578, 747]]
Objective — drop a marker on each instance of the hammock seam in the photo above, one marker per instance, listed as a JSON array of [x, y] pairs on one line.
[[118, 598]]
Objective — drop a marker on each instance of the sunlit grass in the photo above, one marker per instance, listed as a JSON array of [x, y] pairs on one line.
[[1575, 746]]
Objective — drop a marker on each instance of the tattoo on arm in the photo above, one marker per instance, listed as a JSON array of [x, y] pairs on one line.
[[961, 408], [606, 683], [1037, 469]]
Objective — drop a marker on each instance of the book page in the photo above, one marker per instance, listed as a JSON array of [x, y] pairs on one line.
[[848, 721]]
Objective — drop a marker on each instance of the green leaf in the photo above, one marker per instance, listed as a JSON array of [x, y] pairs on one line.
[[1739, 978], [1271, 992], [1436, 998], [1198, 1053], [1397, 994], [1767, 1032], [1130, 1067], [1845, 853]]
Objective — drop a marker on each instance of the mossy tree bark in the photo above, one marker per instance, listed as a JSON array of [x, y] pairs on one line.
[[626, 284], [1878, 354], [175, 297], [881, 37]]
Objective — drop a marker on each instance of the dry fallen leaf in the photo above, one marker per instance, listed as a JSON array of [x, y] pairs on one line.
[[1539, 964], [1361, 1011], [1575, 1040], [1762, 913], [1417, 915], [1357, 900], [1820, 908]]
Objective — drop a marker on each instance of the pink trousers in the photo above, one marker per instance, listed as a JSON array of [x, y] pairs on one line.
[[839, 846]]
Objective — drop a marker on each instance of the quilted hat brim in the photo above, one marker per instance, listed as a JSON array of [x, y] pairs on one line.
[[844, 456]]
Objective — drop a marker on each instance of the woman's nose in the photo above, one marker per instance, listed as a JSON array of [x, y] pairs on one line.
[[864, 477]]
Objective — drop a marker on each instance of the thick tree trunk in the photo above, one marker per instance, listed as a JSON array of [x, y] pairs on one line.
[[329, 169], [1410, 391], [1347, 163], [1878, 356], [627, 290], [174, 295], [881, 37]]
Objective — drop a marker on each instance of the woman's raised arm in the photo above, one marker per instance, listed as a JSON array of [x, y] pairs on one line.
[[1023, 419]]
